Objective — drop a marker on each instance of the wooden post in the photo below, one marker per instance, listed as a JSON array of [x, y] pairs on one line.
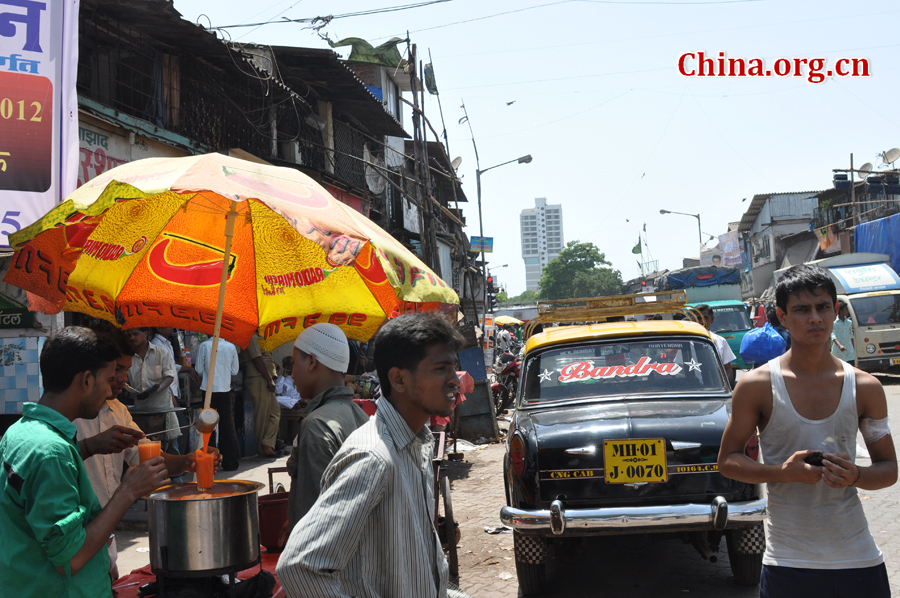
[[229, 234]]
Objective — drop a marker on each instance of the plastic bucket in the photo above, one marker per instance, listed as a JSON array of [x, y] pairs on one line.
[[273, 512]]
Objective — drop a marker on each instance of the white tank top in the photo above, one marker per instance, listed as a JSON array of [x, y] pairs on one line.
[[814, 526]]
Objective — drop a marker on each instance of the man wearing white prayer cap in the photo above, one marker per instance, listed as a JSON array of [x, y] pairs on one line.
[[321, 357]]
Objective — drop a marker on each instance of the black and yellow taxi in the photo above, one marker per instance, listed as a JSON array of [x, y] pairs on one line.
[[617, 430]]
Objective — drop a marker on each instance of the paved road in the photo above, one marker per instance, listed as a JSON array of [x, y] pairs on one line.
[[616, 567]]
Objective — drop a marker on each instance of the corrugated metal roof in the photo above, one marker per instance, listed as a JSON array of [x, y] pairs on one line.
[[756, 206], [332, 80]]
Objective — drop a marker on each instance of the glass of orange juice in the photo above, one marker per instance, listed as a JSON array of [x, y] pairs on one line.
[[148, 449], [205, 470]]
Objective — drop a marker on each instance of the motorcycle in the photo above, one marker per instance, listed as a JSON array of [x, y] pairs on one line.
[[506, 367]]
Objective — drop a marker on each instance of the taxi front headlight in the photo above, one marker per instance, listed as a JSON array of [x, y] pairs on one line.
[[870, 348]]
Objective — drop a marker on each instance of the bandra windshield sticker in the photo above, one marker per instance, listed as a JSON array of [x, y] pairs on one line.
[[585, 370]]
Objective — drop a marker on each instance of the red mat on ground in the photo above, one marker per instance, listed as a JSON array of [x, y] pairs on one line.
[[128, 585]]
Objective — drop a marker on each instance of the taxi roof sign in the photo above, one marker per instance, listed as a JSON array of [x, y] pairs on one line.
[[599, 309]]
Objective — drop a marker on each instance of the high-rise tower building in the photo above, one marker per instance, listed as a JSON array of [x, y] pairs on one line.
[[542, 239]]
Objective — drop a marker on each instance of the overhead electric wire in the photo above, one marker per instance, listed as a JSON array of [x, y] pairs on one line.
[[278, 15], [663, 35], [526, 8], [725, 139], [575, 77], [361, 13], [560, 119]]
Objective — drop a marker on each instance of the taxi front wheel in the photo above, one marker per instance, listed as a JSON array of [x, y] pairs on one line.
[[531, 553]]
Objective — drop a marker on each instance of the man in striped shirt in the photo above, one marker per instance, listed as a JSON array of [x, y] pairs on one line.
[[371, 532]]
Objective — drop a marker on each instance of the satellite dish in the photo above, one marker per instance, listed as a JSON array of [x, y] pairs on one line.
[[865, 169], [456, 162], [891, 155]]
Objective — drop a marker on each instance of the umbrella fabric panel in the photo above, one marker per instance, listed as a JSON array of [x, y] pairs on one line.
[[298, 287], [149, 176], [409, 276], [310, 209], [115, 251], [230, 177], [49, 248], [177, 281]]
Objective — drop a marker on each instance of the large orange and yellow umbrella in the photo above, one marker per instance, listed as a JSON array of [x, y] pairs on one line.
[[143, 245]]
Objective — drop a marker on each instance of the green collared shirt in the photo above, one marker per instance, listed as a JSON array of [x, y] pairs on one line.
[[46, 500]]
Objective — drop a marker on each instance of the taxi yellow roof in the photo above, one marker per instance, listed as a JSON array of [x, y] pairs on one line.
[[565, 334]]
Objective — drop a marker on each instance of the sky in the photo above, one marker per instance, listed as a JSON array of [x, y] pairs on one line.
[[592, 90]]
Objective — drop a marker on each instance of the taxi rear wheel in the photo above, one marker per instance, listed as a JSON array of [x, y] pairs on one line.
[[745, 551], [530, 552]]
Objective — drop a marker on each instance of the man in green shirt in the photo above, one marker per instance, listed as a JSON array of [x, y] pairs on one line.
[[53, 532]]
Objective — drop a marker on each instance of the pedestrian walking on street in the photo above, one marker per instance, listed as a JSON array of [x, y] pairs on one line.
[[371, 532], [227, 365], [808, 406], [321, 356], [53, 530], [842, 345], [259, 383]]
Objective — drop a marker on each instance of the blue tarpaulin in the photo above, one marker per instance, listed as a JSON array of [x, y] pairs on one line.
[[880, 236], [703, 276]]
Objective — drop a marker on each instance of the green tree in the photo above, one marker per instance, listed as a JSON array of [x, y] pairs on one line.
[[525, 297], [579, 271], [502, 298]]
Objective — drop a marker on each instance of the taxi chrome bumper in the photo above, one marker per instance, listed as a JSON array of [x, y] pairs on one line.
[[719, 514]]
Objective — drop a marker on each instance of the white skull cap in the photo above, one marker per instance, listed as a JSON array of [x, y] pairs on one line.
[[328, 343]]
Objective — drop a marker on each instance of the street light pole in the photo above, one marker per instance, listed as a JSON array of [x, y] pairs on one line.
[[697, 216], [523, 160]]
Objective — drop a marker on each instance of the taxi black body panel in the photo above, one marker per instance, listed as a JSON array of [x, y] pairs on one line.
[[560, 440], [564, 450]]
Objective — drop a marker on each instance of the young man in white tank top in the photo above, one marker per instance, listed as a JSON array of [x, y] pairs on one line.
[[817, 538]]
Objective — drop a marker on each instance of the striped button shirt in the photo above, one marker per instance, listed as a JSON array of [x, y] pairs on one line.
[[371, 533]]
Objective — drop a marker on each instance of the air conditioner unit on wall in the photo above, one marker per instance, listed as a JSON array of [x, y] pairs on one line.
[[290, 152]]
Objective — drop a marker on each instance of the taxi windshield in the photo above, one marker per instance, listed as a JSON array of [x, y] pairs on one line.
[[641, 367]]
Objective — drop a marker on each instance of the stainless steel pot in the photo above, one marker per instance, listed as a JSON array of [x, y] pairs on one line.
[[204, 534]]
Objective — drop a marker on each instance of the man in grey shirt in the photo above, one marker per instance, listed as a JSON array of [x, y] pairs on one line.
[[321, 356], [371, 532]]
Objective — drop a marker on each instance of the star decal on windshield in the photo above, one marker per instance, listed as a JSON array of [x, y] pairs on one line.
[[693, 364], [546, 375]]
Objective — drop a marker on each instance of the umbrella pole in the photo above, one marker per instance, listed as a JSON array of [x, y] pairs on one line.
[[229, 233]]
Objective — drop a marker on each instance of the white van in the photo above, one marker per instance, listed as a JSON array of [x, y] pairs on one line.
[[871, 288]]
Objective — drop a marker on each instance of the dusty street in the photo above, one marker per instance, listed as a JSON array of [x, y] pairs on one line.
[[617, 567], [597, 567]]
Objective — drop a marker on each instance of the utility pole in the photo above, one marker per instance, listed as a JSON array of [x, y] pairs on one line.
[[480, 225], [426, 234]]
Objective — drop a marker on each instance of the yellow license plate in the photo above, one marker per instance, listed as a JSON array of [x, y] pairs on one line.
[[630, 461], [895, 361]]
